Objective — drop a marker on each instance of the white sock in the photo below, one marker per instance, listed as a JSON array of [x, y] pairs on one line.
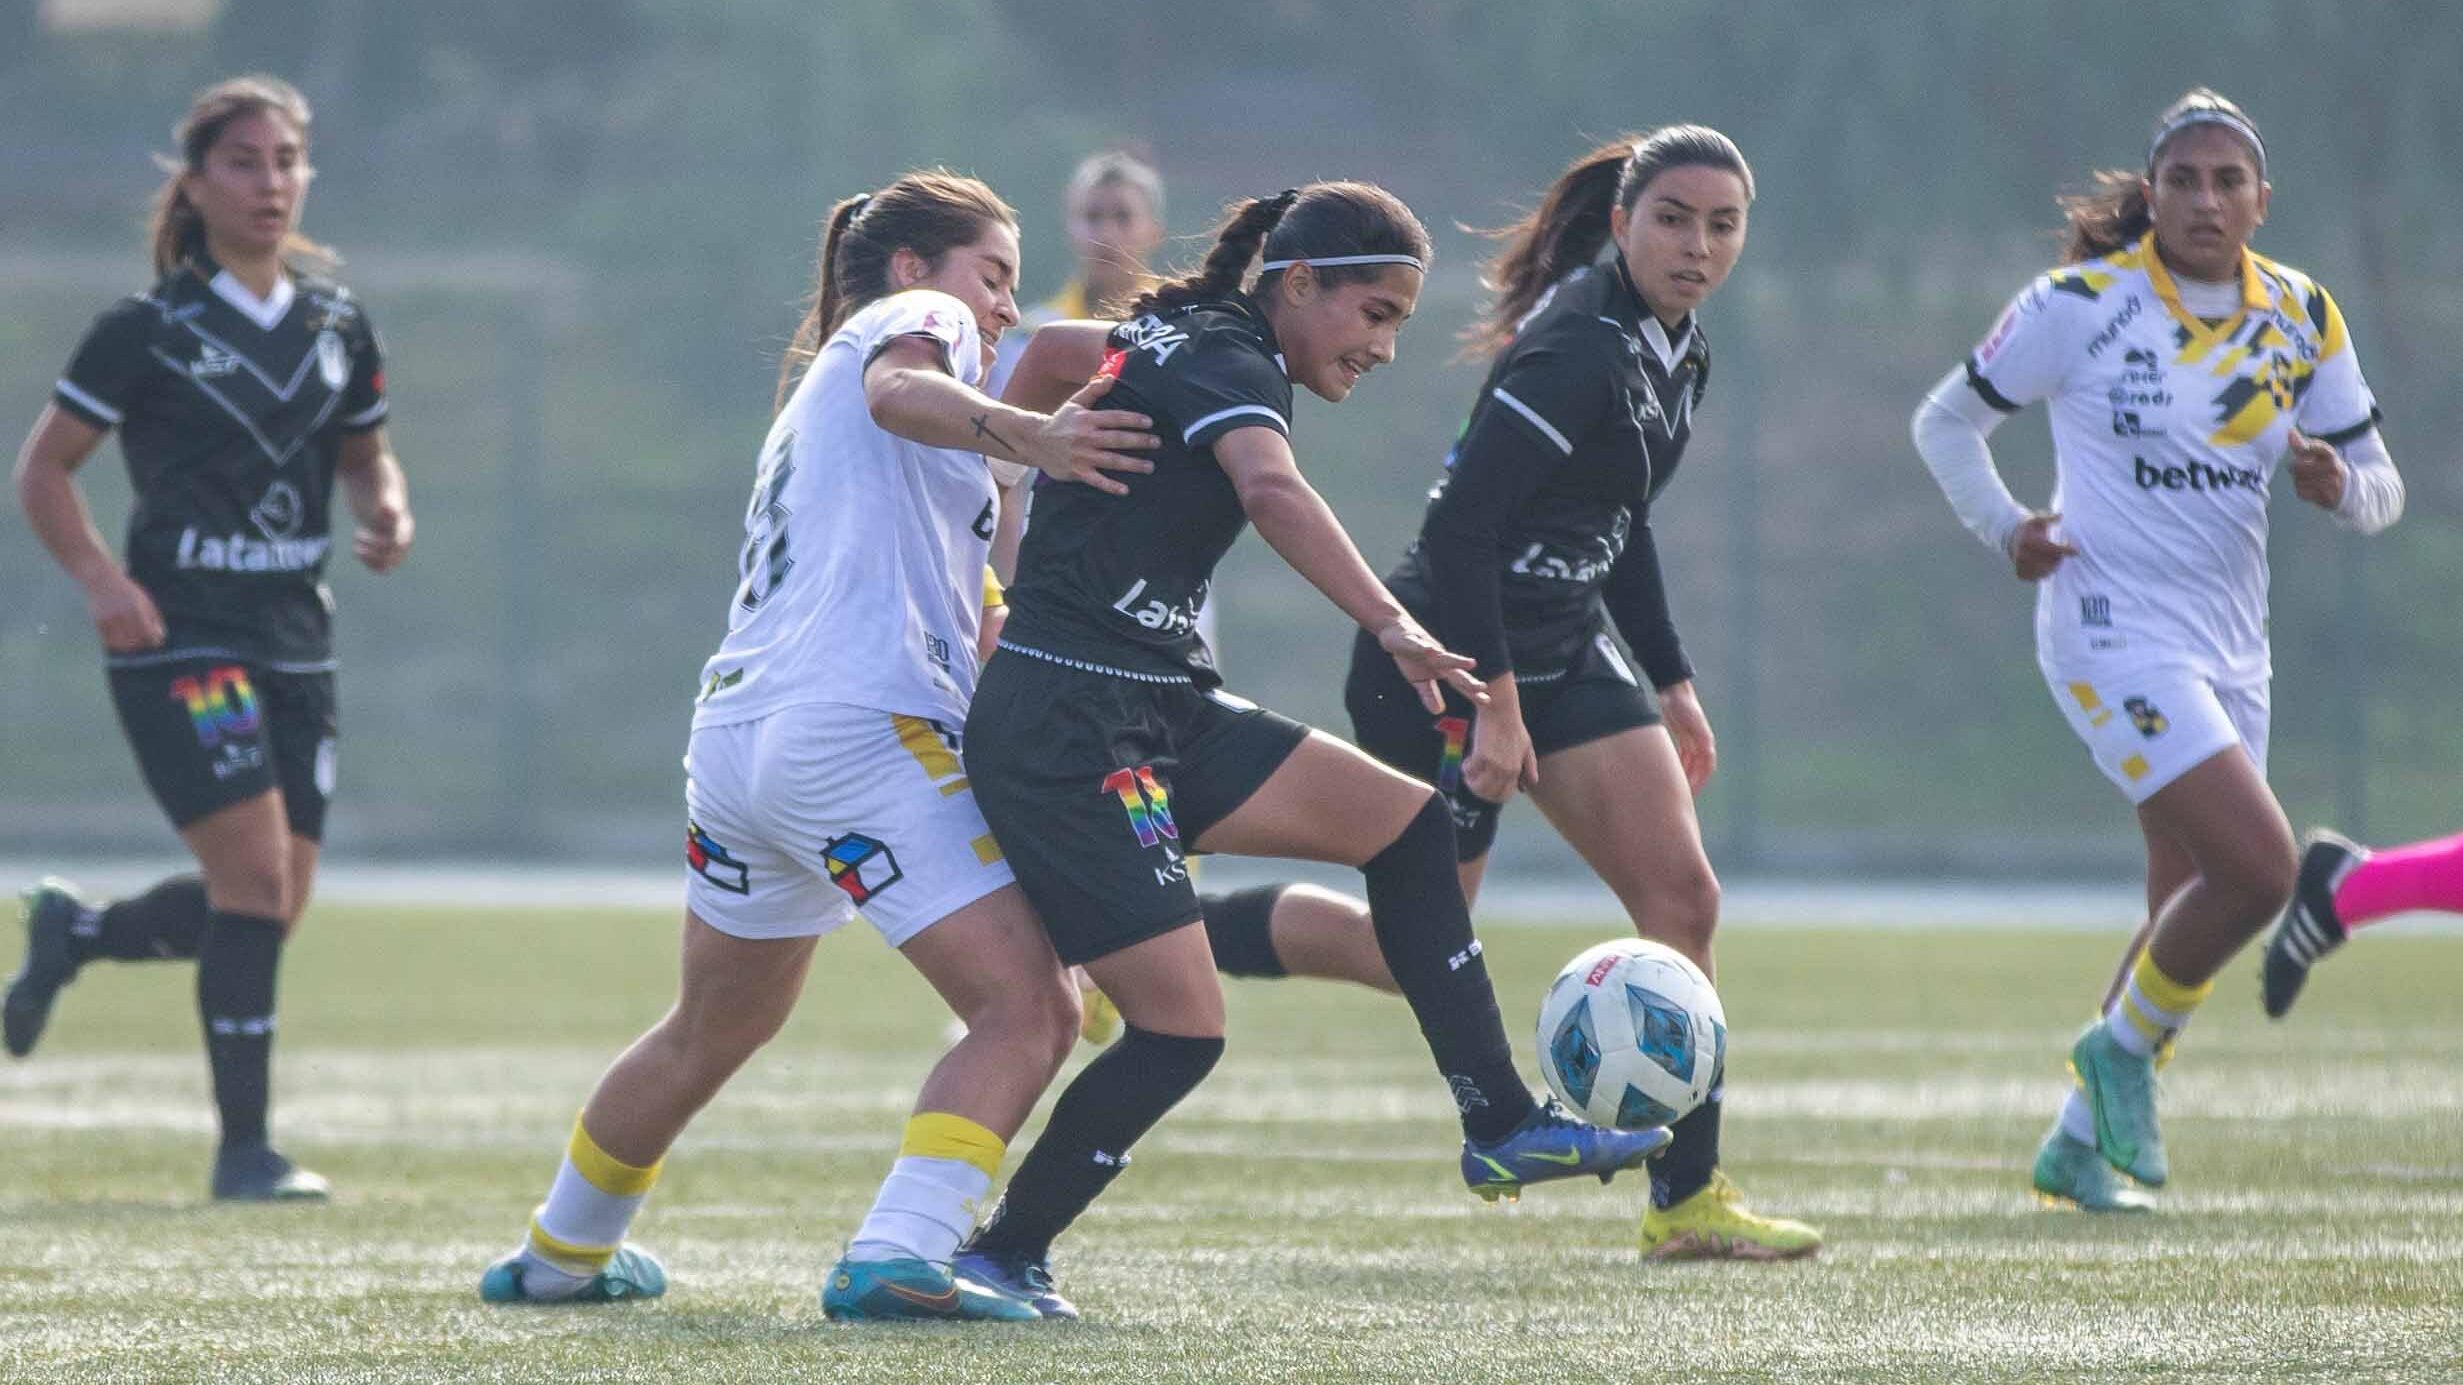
[[588, 1209], [2077, 1118], [925, 1208]]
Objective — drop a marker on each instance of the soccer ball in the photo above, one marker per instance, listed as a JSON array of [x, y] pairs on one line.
[[1631, 1034]]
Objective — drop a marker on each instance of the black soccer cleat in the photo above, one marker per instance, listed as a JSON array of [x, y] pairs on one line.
[[49, 910], [257, 1173], [2309, 929]]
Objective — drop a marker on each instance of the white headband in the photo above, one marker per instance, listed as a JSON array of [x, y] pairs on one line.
[[1323, 261], [2208, 115]]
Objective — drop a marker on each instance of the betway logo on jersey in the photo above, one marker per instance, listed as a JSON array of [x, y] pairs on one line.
[[2197, 476], [240, 553]]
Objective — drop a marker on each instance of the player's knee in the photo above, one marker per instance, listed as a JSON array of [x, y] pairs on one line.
[[1681, 910], [1040, 1019], [257, 887]]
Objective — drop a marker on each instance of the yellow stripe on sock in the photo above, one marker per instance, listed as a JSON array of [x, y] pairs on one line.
[[2166, 993], [940, 1135], [2151, 1030], [605, 1171], [567, 1256]]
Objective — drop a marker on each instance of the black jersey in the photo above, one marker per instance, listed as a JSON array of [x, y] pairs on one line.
[[1543, 515], [231, 413], [1115, 582]]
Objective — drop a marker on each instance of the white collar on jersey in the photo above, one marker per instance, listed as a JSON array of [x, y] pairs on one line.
[[1670, 352], [264, 312]]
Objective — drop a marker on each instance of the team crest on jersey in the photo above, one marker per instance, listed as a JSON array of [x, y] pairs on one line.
[[860, 865], [212, 363], [333, 364], [2146, 716], [711, 862]]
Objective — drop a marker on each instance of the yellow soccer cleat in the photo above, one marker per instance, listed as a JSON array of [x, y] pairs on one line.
[[1098, 1018], [1715, 1224]]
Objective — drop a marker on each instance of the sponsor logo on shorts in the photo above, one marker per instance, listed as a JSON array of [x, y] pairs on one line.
[[711, 862], [1148, 804], [2095, 612], [2146, 716], [860, 865]]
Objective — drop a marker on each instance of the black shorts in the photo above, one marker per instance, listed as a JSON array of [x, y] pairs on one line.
[[211, 731], [1593, 696], [1098, 787]]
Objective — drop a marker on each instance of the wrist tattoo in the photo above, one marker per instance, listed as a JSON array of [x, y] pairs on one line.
[[983, 429]]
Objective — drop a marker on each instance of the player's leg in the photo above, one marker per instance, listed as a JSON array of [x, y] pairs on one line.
[[1621, 801], [1296, 930], [2342, 886]]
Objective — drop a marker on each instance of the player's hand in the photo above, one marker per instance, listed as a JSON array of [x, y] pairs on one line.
[[1429, 666], [2034, 552], [384, 536], [1696, 749], [125, 615], [1501, 758], [988, 634], [1080, 443], [2318, 472]]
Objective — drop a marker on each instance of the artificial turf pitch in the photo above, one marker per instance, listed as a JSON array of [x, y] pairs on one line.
[[1299, 1219]]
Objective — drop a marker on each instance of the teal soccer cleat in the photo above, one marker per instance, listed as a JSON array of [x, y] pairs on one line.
[[2120, 1087], [916, 1291], [630, 1273], [1553, 1143], [2069, 1171]]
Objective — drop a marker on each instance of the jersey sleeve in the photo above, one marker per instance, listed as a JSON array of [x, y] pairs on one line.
[[1219, 382], [923, 313], [1637, 599], [1554, 389], [2338, 406], [108, 367], [2028, 351], [363, 397]]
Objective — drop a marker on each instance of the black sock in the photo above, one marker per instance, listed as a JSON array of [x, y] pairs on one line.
[[235, 999], [1117, 1099], [1693, 1155], [1240, 929], [167, 921], [1424, 929]]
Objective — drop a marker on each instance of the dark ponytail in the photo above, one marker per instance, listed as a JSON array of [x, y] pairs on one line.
[[930, 213], [1571, 226], [1236, 243], [176, 230], [2114, 215], [1322, 219]]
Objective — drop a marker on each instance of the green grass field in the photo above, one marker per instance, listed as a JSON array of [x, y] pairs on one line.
[[1298, 1220]]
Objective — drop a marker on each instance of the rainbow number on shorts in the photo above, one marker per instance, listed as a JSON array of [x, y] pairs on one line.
[[1148, 806], [1457, 733], [221, 704]]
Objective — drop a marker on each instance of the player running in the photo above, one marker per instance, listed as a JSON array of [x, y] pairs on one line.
[[823, 774], [1536, 539], [243, 385], [2342, 886], [2180, 369], [1105, 750]]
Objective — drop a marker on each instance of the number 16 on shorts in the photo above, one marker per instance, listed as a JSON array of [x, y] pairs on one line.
[[1149, 807]]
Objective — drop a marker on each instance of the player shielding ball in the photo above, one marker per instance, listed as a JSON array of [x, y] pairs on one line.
[[2180, 370], [824, 773], [243, 385], [1105, 748]]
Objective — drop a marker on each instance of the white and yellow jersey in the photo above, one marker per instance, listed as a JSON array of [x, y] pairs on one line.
[[861, 576], [2167, 428]]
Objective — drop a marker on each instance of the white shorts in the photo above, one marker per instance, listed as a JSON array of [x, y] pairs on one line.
[[796, 820], [2147, 730]]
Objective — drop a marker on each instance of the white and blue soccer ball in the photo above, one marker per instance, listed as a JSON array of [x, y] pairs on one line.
[[1632, 1035]]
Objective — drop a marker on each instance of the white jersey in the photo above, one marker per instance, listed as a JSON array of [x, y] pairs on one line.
[[2166, 432], [863, 560]]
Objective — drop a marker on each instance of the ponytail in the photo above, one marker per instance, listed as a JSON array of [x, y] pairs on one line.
[[1572, 225], [929, 213], [1236, 243], [175, 230]]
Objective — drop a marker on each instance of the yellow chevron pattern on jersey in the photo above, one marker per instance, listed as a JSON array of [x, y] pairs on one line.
[[2263, 367]]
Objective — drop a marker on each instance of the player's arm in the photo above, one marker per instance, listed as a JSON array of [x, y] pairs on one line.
[[1636, 595], [1059, 358], [1008, 530], [56, 510], [909, 391], [379, 498], [1292, 517], [2024, 358]]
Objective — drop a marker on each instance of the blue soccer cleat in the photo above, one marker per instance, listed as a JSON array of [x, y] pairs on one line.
[[2120, 1088], [1017, 1276], [630, 1273], [910, 1290], [1554, 1143], [49, 909]]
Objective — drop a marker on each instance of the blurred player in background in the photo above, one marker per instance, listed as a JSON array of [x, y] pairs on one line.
[[2180, 371], [824, 773], [243, 385]]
